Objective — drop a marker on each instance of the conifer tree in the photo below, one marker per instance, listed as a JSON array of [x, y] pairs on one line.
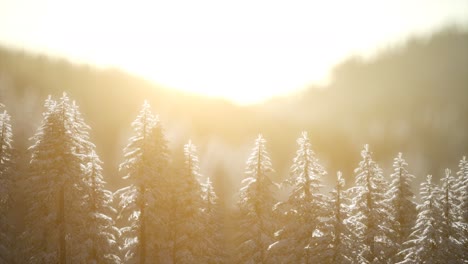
[[101, 234], [371, 217], [213, 239], [424, 243], [255, 206], [6, 186], [38, 219], [57, 227], [337, 239], [55, 171], [95, 238], [400, 199], [462, 189], [452, 247], [146, 159], [186, 221], [303, 210], [461, 192]]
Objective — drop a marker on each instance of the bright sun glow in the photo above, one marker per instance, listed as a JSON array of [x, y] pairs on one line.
[[245, 51]]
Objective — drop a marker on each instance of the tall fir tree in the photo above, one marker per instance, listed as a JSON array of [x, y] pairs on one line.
[[38, 220], [462, 188], [451, 246], [461, 192], [55, 173], [213, 227], [6, 187], [425, 240], [186, 219], [101, 236], [56, 186], [400, 198], [146, 161], [337, 239], [297, 241], [256, 225], [371, 216], [95, 239]]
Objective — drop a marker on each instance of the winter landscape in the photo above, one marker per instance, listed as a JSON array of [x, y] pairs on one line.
[[247, 132]]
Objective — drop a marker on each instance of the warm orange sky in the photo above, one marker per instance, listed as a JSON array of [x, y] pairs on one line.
[[245, 51]]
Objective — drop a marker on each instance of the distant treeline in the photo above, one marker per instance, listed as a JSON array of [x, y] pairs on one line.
[[169, 212]]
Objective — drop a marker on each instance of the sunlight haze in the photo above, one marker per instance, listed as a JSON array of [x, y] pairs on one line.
[[244, 51]]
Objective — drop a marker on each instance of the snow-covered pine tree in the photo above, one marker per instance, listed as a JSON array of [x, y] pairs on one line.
[[424, 243], [298, 240], [371, 217], [55, 167], [213, 238], [58, 191], [94, 239], [146, 159], [400, 198], [38, 219], [186, 219], [101, 234], [157, 211], [461, 191], [336, 241], [451, 245], [55, 186], [6, 185], [255, 207]]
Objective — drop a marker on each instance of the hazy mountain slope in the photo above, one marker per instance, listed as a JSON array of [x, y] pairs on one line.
[[410, 98], [109, 100]]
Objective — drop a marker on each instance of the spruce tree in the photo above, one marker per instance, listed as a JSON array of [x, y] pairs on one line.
[[401, 200], [34, 240], [212, 217], [58, 187], [186, 219], [371, 217], [425, 240], [6, 187], [55, 173], [452, 247], [95, 238], [337, 239], [297, 241], [146, 159], [461, 192], [461, 187], [255, 207], [101, 236]]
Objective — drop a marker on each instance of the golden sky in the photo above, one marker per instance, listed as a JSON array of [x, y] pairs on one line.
[[243, 50]]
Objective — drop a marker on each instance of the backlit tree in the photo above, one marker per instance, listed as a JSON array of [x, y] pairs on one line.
[[255, 207]]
